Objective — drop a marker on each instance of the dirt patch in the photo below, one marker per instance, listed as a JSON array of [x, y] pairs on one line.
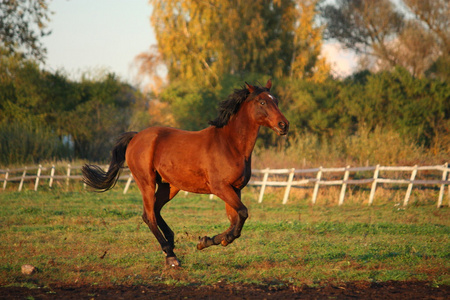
[[354, 290]]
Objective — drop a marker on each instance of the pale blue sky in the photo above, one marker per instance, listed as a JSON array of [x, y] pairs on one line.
[[95, 35], [88, 35]]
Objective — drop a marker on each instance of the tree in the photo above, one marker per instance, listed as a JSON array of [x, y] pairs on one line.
[[414, 35], [364, 26], [204, 40], [27, 125], [44, 115], [415, 49], [306, 61], [432, 16], [22, 24], [435, 16], [191, 105]]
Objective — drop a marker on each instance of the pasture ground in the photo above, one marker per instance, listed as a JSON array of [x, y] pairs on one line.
[[354, 290], [92, 245]]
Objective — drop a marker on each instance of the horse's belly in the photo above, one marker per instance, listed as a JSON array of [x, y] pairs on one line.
[[186, 180], [241, 182]]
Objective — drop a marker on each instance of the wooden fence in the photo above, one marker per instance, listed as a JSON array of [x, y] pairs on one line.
[[318, 180], [286, 178]]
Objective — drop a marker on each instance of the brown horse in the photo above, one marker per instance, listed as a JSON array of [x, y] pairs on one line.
[[215, 160]]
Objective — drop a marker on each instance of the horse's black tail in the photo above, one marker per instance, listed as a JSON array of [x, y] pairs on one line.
[[95, 177]]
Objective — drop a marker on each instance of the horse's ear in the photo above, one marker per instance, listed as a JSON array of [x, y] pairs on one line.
[[269, 84], [250, 87]]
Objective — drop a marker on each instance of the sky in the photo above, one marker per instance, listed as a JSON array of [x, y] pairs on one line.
[[94, 36]]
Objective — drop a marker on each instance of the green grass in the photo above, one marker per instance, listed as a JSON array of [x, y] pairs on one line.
[[80, 237]]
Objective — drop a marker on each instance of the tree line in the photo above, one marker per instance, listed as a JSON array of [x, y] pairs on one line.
[[208, 48], [395, 100], [45, 115]]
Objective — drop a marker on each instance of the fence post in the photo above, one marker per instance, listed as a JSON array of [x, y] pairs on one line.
[[288, 186], [52, 173], [410, 186], [22, 179], [68, 176], [6, 179], [263, 187], [442, 189], [344, 185], [38, 175], [316, 186], [374, 184], [125, 190]]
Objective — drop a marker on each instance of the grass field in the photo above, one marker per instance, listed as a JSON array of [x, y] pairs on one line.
[[80, 237]]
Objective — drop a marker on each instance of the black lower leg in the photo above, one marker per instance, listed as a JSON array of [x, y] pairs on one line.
[[243, 215], [168, 233]]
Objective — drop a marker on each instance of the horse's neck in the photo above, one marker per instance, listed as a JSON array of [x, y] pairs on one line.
[[242, 134]]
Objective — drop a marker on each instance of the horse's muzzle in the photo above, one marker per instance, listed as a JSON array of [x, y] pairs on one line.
[[282, 128]]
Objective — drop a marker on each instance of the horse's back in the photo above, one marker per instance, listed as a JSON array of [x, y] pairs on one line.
[[180, 157], [169, 139]]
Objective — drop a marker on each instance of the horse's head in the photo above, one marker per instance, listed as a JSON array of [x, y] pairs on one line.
[[265, 109]]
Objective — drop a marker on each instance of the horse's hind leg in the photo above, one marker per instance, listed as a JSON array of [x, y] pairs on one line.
[[163, 195], [150, 218]]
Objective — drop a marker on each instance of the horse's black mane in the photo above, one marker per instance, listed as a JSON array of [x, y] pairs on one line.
[[231, 105]]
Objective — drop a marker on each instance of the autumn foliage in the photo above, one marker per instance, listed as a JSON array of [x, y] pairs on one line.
[[205, 49]]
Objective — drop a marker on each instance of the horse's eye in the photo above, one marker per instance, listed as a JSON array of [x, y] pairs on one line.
[[262, 102]]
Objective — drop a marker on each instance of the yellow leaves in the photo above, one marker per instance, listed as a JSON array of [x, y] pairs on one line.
[[204, 40], [321, 71], [148, 65], [159, 113], [306, 63]]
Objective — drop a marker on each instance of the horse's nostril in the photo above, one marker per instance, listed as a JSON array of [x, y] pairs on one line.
[[282, 125]]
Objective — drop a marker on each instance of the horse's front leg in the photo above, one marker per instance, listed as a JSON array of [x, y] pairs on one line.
[[237, 220], [237, 214]]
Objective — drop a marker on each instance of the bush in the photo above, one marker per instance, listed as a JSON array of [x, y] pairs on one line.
[[29, 142], [365, 147]]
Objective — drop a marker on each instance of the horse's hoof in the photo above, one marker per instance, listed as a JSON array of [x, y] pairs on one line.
[[173, 262], [202, 243]]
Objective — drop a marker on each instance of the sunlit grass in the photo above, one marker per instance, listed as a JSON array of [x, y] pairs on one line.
[[81, 237]]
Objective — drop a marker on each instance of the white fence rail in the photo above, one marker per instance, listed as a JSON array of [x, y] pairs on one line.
[[319, 180], [263, 178]]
